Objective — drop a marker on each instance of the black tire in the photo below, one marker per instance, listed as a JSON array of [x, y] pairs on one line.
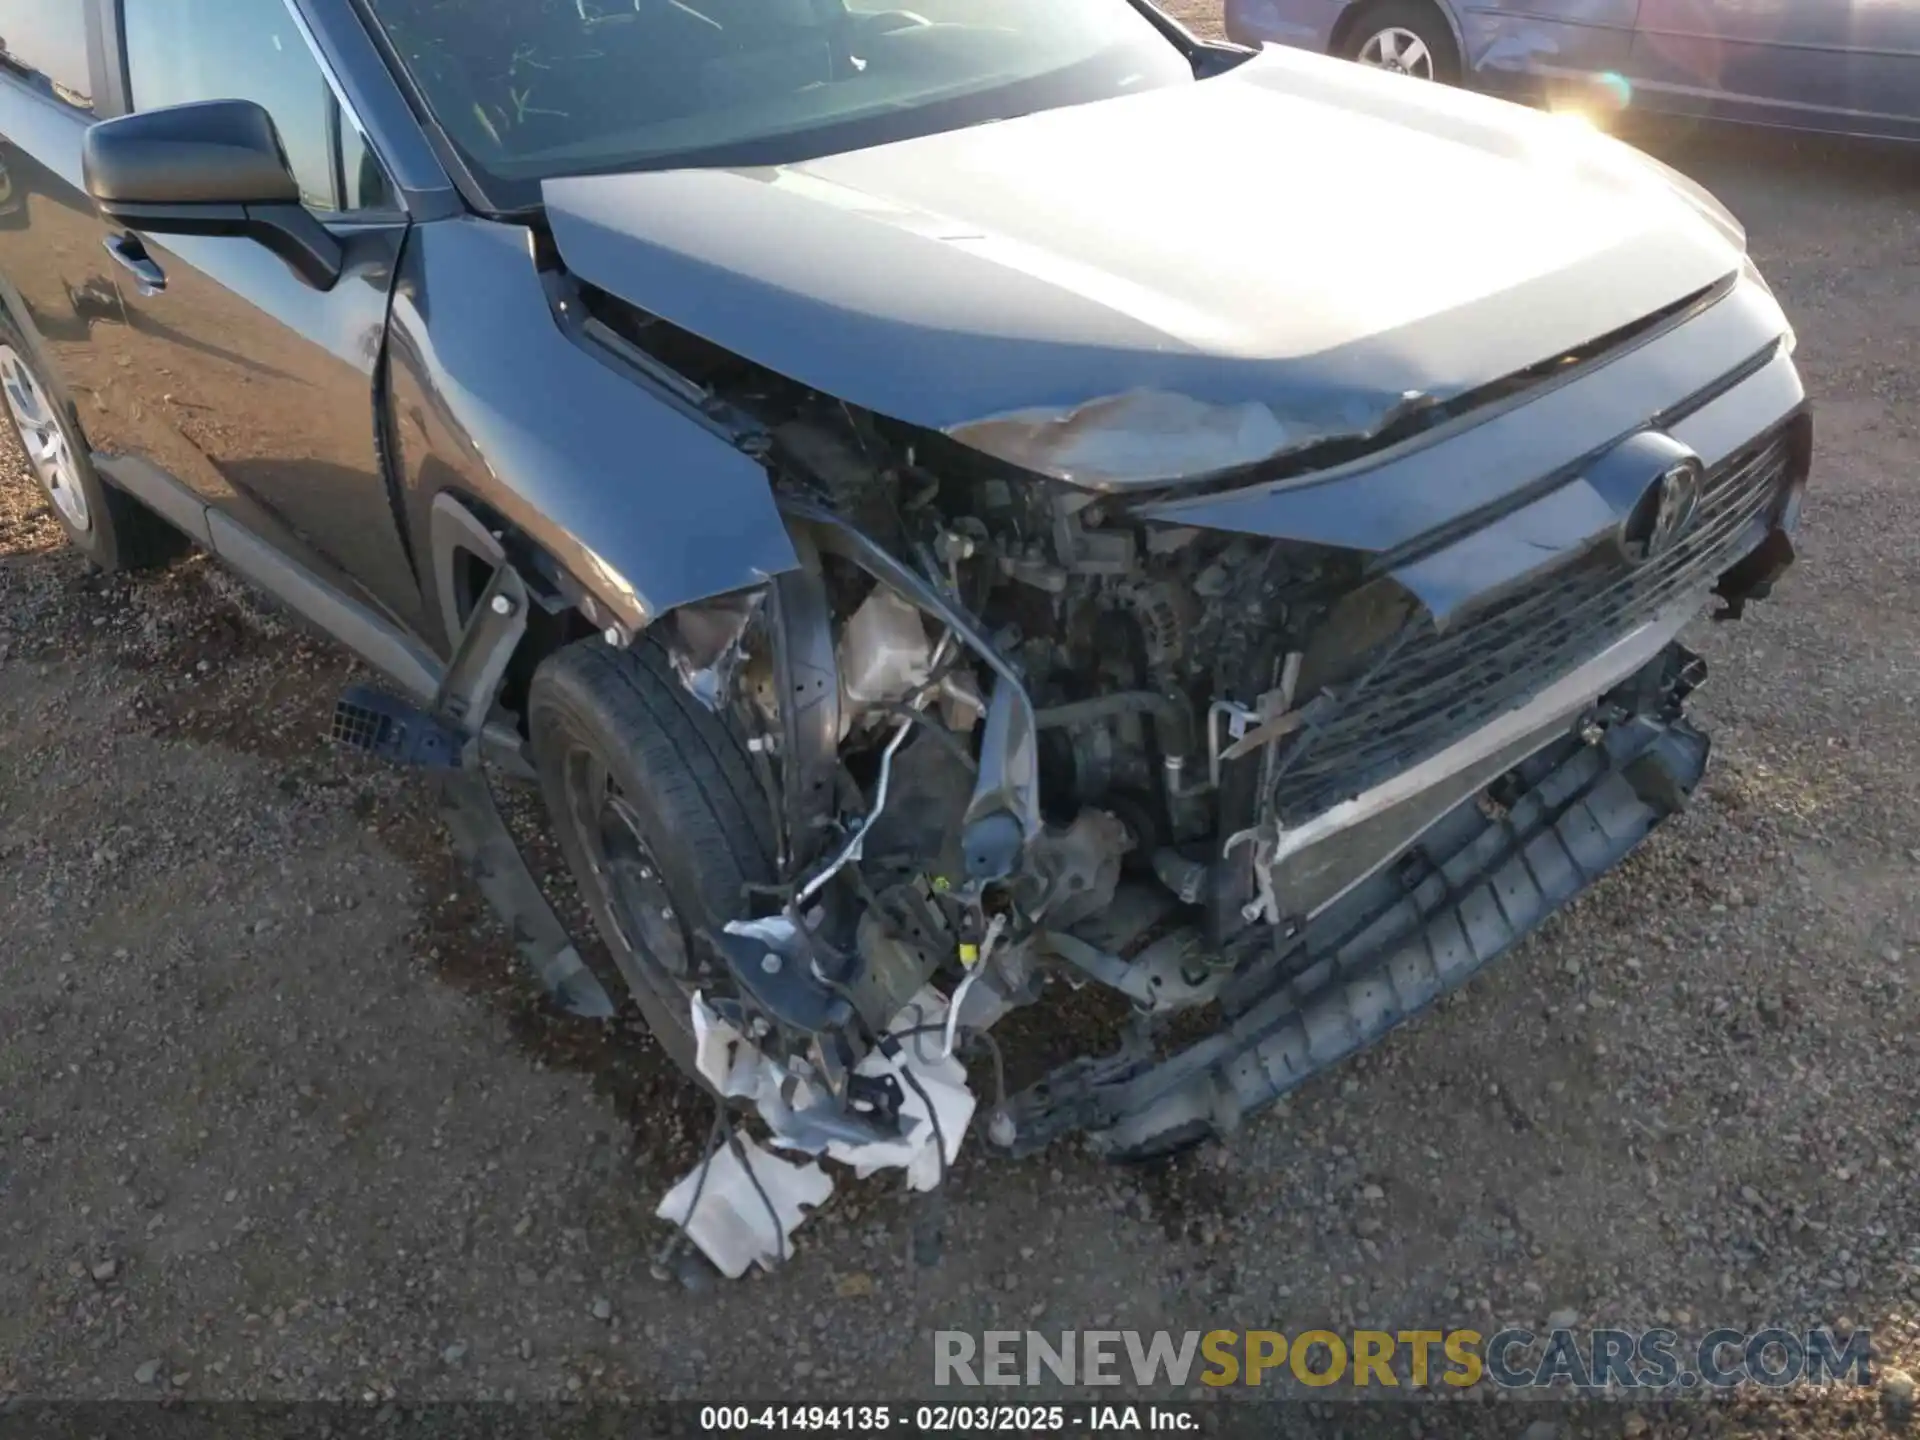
[[1413, 17], [675, 822], [112, 529]]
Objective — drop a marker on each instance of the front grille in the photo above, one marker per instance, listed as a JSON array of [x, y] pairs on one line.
[[1440, 686]]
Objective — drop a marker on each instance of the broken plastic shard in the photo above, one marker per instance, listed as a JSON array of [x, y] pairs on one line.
[[794, 1111], [731, 1224], [727, 1060]]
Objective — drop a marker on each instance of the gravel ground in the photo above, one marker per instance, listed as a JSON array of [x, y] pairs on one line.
[[278, 1117]]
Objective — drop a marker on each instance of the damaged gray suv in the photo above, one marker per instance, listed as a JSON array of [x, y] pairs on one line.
[[952, 507]]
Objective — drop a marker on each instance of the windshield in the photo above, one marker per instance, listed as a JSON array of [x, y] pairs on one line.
[[535, 88]]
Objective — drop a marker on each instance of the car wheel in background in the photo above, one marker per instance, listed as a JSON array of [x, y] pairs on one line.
[[1406, 37], [111, 528]]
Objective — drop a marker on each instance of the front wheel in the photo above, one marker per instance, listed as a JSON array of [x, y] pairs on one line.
[[1406, 38], [659, 817]]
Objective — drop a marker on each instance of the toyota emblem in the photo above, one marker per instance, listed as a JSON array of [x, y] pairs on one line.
[[1664, 514]]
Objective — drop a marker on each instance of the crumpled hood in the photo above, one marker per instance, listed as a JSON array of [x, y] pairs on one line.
[[1171, 282]]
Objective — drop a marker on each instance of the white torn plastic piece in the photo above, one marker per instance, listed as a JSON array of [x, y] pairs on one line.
[[944, 1079], [741, 1070], [726, 1059], [731, 1224]]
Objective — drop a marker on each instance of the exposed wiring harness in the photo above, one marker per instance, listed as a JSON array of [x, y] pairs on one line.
[[995, 928], [740, 1154], [671, 1245]]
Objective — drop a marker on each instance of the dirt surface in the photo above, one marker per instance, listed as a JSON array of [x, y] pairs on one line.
[[279, 1117], [1200, 15]]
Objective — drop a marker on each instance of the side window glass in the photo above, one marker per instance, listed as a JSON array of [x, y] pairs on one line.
[[180, 51], [45, 41]]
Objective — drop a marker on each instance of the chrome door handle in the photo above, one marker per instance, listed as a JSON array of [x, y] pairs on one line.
[[132, 255]]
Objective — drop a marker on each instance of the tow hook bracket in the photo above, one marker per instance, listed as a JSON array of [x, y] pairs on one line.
[[776, 966]]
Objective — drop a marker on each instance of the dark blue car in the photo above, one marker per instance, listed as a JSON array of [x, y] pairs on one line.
[[1851, 66]]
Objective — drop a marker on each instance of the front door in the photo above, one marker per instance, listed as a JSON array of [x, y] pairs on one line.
[[1521, 45], [233, 374], [1847, 65]]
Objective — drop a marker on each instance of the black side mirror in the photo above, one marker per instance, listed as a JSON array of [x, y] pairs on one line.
[[215, 167]]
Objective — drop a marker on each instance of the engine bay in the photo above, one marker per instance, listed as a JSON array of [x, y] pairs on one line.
[[1091, 726]]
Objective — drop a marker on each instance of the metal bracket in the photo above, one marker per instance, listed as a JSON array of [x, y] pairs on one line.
[[1083, 1094], [1272, 718], [1155, 980], [1239, 720], [493, 632]]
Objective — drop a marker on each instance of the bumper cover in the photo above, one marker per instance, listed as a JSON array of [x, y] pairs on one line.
[[1465, 893]]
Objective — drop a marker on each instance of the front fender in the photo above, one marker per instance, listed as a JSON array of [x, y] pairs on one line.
[[646, 508]]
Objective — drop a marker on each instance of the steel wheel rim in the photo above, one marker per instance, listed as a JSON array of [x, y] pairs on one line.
[[627, 883], [44, 439], [1399, 50]]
